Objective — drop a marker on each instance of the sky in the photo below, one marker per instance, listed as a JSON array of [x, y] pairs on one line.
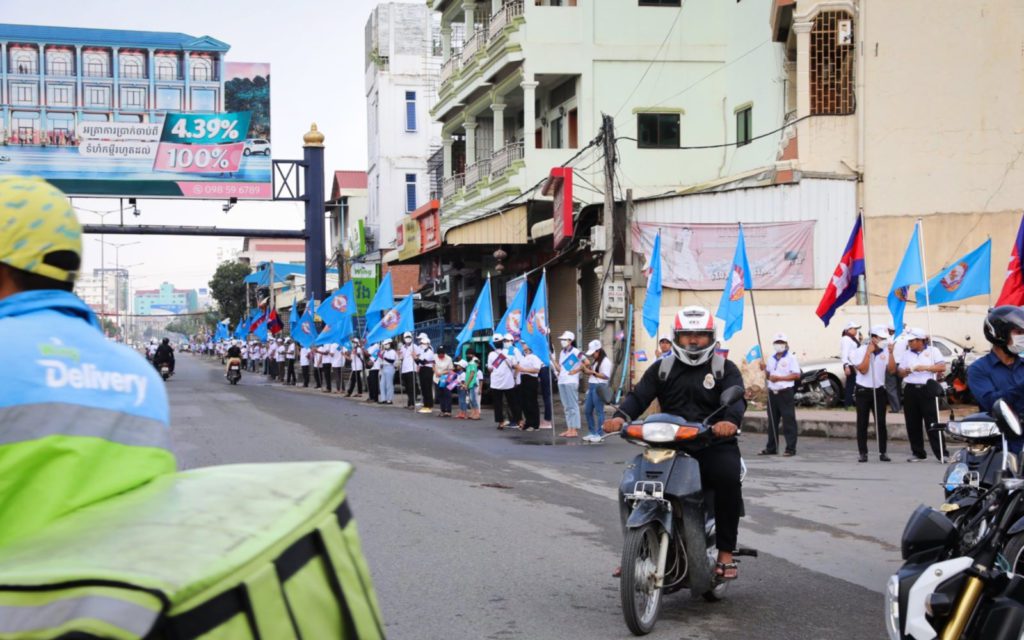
[[315, 50]]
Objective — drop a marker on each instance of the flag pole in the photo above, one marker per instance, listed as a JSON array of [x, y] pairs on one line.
[[768, 395], [551, 386], [928, 315], [871, 361]]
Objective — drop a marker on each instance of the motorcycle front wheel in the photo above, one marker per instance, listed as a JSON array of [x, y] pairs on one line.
[[641, 599]]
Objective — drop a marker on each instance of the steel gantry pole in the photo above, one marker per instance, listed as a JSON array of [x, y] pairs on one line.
[[316, 258]]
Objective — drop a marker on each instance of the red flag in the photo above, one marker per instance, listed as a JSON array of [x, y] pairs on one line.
[[1013, 287], [260, 319], [274, 323]]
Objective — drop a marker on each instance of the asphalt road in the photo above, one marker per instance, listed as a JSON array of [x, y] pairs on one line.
[[475, 533]]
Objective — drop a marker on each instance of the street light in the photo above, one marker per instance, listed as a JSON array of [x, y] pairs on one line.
[[117, 268], [131, 299]]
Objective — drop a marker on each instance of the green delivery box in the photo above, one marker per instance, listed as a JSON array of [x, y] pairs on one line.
[[261, 551]]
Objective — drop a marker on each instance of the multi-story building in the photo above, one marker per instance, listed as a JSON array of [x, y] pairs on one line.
[[104, 290], [402, 65], [257, 250], [53, 78], [167, 300]]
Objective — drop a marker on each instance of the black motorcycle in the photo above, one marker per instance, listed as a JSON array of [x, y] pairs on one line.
[[955, 586], [818, 388], [669, 539], [234, 373]]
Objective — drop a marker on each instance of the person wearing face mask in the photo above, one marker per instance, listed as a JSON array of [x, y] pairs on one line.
[[408, 355], [782, 371], [917, 365], [503, 378], [568, 363], [515, 404], [871, 361], [848, 343], [424, 355], [999, 375]]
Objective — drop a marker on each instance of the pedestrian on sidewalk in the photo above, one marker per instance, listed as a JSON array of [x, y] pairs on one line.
[[544, 380], [408, 355], [279, 359], [338, 360], [473, 388], [598, 367], [872, 360], [425, 361], [503, 380], [318, 365], [917, 366], [515, 404], [289, 359], [460, 388], [443, 365], [388, 357], [304, 357], [373, 374], [568, 364], [782, 371], [848, 343], [327, 364], [355, 381], [528, 368], [892, 380]]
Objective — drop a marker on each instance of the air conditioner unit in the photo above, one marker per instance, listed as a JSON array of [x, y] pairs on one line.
[[443, 285], [597, 242], [844, 33]]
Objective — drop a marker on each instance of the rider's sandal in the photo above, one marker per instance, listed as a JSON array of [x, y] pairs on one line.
[[727, 570]]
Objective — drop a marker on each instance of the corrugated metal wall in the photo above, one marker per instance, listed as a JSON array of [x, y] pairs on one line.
[[832, 204]]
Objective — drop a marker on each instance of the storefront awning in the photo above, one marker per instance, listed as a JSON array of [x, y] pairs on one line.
[[507, 227]]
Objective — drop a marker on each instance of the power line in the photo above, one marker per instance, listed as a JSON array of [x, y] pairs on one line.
[[653, 60], [731, 144]]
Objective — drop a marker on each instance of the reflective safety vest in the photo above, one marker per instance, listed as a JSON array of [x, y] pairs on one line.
[[81, 418]]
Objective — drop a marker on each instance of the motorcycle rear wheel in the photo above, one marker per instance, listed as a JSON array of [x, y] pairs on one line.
[[641, 600], [1013, 551]]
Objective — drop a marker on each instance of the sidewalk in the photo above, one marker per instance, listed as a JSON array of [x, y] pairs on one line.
[[839, 423]]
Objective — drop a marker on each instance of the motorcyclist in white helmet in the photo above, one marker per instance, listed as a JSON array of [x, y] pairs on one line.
[[690, 387]]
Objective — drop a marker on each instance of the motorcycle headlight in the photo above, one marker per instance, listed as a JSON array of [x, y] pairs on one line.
[[955, 475], [659, 432], [973, 429], [892, 608]]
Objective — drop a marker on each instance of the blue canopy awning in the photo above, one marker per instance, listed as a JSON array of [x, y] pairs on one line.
[[261, 277]]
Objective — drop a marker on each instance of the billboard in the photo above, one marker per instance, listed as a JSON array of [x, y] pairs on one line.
[[121, 121]]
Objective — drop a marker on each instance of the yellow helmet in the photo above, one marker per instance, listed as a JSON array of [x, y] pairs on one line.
[[38, 229]]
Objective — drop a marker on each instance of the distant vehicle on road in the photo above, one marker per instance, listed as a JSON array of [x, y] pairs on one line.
[[257, 146]]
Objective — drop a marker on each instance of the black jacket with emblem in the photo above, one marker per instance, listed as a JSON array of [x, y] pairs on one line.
[[691, 393]]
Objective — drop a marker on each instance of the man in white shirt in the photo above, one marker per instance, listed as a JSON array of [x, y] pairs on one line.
[[782, 371], [425, 362], [318, 365], [917, 366], [529, 367], [289, 359], [503, 379], [355, 380], [871, 361], [892, 380], [847, 344], [279, 360], [407, 353], [337, 364], [305, 354], [388, 359]]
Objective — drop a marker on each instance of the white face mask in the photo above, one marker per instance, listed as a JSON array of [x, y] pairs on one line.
[[408, 341], [883, 343], [565, 344], [1016, 345], [780, 348]]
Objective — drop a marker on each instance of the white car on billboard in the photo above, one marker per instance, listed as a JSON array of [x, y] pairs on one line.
[[257, 147]]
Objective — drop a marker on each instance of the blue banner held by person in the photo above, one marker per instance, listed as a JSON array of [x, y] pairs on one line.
[[512, 321], [738, 280], [909, 273], [340, 304], [304, 332], [652, 303], [337, 332], [293, 317], [537, 330], [395, 321], [969, 276], [753, 354], [480, 318], [383, 300]]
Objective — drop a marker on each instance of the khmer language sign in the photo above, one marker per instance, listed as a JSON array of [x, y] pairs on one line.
[[698, 256], [164, 136]]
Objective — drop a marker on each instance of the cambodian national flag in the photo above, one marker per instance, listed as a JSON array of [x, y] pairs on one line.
[[258, 320], [274, 324], [843, 284], [1013, 287], [737, 282]]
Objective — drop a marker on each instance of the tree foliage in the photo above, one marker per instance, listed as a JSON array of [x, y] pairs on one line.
[[252, 95], [228, 289]]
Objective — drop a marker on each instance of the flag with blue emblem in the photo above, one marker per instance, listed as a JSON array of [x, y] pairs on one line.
[[395, 321], [737, 281], [337, 332], [383, 300], [966, 277], [909, 273], [536, 333], [652, 303], [753, 354], [512, 321], [480, 318], [304, 332], [340, 304]]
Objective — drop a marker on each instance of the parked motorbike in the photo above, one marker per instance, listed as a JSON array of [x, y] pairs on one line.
[[669, 539], [953, 585], [955, 382], [818, 388], [234, 373]]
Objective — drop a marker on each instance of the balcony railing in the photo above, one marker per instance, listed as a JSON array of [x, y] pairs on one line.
[[477, 170], [504, 157], [473, 44], [453, 184], [450, 66], [505, 15]]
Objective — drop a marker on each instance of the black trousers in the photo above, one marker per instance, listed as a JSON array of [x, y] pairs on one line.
[[409, 387], [305, 375], [338, 380], [326, 375], [865, 400], [444, 399], [528, 401], [499, 397], [850, 387], [373, 385], [782, 417], [919, 412], [355, 379], [545, 391], [290, 378], [317, 378], [515, 405], [427, 386]]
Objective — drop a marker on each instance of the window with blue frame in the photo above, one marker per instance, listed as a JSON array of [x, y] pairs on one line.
[[410, 192], [410, 110]]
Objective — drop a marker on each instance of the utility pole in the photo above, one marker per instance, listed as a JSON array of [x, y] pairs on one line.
[[608, 220]]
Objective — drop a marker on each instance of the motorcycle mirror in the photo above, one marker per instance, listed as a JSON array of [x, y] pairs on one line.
[[731, 395], [1005, 417]]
